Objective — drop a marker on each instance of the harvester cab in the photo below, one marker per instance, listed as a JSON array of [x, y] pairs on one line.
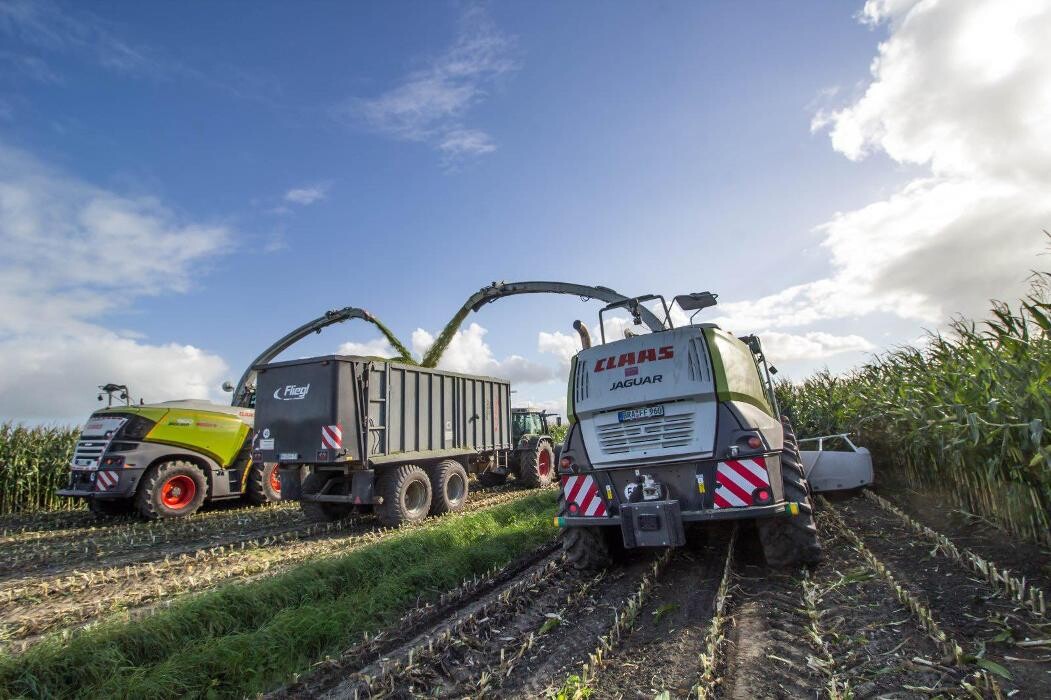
[[677, 426]]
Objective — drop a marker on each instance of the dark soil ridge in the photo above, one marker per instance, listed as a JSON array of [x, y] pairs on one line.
[[982, 537], [967, 608], [340, 677], [662, 651]]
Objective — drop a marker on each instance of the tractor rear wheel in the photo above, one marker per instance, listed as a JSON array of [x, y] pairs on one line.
[[319, 511], [264, 483], [537, 468], [586, 548], [171, 490], [406, 493], [492, 479], [448, 486], [791, 541], [111, 509]]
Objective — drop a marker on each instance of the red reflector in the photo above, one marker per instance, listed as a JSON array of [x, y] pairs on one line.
[[573, 508], [754, 442], [761, 495]]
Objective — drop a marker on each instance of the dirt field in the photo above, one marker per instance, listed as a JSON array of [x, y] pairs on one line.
[[892, 612]]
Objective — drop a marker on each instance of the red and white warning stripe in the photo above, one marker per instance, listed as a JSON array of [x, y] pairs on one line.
[[737, 479], [331, 437], [104, 481], [583, 491]]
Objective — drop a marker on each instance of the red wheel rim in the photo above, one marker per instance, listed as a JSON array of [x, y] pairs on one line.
[[545, 462], [275, 479], [178, 491]]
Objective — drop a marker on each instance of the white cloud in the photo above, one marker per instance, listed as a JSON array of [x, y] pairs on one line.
[[431, 103], [815, 345], [307, 195], [469, 353], [559, 344], [379, 347], [962, 89], [71, 252]]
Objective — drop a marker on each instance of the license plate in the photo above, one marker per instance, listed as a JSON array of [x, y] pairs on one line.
[[640, 413]]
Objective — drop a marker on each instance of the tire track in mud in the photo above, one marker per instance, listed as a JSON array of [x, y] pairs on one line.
[[995, 631], [664, 648], [75, 600]]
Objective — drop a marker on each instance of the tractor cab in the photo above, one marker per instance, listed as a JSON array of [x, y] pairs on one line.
[[526, 423]]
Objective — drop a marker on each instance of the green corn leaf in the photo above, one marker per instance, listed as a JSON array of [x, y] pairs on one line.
[[993, 667]]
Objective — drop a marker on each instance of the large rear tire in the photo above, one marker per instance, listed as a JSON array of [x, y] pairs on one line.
[[537, 468], [448, 486], [319, 511], [586, 548], [264, 483], [171, 490], [792, 541], [406, 492]]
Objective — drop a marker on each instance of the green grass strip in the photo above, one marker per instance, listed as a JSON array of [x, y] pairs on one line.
[[242, 639]]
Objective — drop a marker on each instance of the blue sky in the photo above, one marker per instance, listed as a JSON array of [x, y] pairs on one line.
[[256, 165]]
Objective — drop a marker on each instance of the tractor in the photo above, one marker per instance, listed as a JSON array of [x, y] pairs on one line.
[[532, 460]]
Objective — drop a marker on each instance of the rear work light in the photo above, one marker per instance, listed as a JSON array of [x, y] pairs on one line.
[[762, 496]]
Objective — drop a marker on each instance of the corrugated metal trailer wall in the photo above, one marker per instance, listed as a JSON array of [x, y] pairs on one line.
[[414, 409]]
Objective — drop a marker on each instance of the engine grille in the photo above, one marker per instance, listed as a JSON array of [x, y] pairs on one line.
[[89, 450], [651, 434]]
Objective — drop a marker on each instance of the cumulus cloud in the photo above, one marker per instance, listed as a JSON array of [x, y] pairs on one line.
[[307, 195], [469, 353], [430, 104], [963, 90], [379, 347], [72, 252], [814, 345]]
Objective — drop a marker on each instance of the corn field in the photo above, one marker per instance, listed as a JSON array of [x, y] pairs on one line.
[[965, 413], [33, 463]]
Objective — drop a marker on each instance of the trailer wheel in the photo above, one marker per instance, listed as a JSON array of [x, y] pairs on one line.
[[111, 509], [586, 548], [537, 468], [171, 490], [448, 486], [791, 541], [320, 511], [264, 483], [492, 479], [406, 493]]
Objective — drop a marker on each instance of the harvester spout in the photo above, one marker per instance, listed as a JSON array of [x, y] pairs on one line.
[[585, 335]]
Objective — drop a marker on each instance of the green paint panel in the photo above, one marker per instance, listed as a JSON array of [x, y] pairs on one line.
[[218, 435], [736, 375]]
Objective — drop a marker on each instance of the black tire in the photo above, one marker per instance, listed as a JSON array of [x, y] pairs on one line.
[[586, 548], [406, 493], [448, 486], [173, 489], [317, 511], [791, 541], [492, 479], [264, 484], [537, 468], [111, 509]]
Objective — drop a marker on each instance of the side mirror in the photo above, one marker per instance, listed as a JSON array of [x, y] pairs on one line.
[[773, 370], [228, 387], [696, 301]]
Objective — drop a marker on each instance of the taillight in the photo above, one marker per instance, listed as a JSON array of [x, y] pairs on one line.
[[114, 461], [754, 442], [566, 462], [762, 496]]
